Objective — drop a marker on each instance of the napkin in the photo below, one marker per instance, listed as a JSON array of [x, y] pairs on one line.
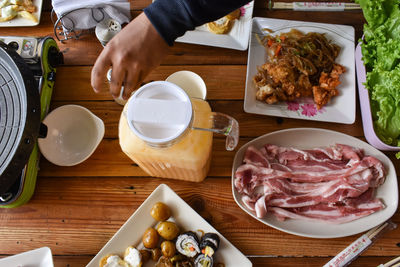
[[79, 15]]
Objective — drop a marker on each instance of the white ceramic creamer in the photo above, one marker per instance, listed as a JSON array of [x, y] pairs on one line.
[[169, 135]]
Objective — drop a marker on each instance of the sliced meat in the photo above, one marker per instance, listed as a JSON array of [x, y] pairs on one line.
[[335, 184]]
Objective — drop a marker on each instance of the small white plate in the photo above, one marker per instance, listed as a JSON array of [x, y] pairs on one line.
[[307, 138], [341, 109], [40, 257], [237, 38], [22, 22], [130, 234]]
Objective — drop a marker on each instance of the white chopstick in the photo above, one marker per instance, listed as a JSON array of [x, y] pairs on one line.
[[351, 252], [374, 231], [314, 6], [395, 261]]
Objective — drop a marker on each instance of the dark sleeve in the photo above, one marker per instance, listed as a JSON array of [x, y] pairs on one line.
[[172, 18]]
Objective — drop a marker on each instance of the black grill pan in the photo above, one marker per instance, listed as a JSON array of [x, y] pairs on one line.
[[19, 115]]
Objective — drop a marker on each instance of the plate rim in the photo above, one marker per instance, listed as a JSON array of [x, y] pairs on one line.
[[275, 112], [163, 189], [235, 194]]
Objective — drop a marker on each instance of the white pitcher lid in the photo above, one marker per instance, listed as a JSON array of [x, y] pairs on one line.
[[159, 112]]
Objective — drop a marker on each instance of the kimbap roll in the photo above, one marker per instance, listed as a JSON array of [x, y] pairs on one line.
[[209, 244], [203, 261], [188, 244]]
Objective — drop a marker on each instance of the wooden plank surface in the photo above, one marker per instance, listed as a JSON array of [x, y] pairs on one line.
[[76, 210], [77, 215]]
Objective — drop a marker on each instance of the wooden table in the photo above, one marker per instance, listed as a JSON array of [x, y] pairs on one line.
[[76, 210]]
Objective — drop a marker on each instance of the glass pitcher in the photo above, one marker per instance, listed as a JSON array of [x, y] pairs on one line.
[[169, 134]]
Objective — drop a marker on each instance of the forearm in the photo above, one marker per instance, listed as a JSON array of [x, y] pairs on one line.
[[172, 18]]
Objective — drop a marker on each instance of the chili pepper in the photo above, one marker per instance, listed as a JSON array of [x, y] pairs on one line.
[[277, 50]]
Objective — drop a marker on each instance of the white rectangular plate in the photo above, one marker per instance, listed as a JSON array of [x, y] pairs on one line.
[[130, 234], [22, 22], [40, 257], [237, 38], [307, 138], [341, 109]]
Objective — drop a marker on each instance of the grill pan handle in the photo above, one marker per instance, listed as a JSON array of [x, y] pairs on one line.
[[42, 130], [3, 45]]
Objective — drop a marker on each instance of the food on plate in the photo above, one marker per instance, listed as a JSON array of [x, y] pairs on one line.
[[298, 65], [160, 212], [167, 248], [220, 26], [235, 14], [224, 24], [164, 262], [209, 244], [133, 257], [8, 13], [155, 254], [335, 184], [10, 9], [168, 230], [113, 260], [146, 255], [203, 260], [188, 244], [380, 50], [25, 14], [150, 238]]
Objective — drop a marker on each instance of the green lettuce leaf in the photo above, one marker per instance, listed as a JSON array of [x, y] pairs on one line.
[[385, 103], [373, 12], [381, 56], [377, 11], [388, 54]]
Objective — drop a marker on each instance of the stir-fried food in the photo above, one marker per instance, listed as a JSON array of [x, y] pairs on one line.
[[298, 65]]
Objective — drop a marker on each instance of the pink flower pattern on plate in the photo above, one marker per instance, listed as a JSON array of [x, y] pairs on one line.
[[306, 107], [293, 105], [242, 11], [309, 110]]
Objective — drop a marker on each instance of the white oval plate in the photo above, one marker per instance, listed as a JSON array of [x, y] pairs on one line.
[[307, 138], [130, 234]]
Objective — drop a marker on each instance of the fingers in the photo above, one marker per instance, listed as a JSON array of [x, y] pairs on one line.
[[121, 75], [117, 77], [132, 79], [99, 71]]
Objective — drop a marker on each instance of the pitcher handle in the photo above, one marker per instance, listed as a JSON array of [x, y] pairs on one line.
[[225, 125]]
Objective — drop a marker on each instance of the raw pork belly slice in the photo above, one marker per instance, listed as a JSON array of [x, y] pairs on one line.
[[334, 184]]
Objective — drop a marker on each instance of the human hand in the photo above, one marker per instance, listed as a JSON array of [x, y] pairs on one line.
[[132, 54]]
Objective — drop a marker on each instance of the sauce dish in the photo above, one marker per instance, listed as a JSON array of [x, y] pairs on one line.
[[73, 134]]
